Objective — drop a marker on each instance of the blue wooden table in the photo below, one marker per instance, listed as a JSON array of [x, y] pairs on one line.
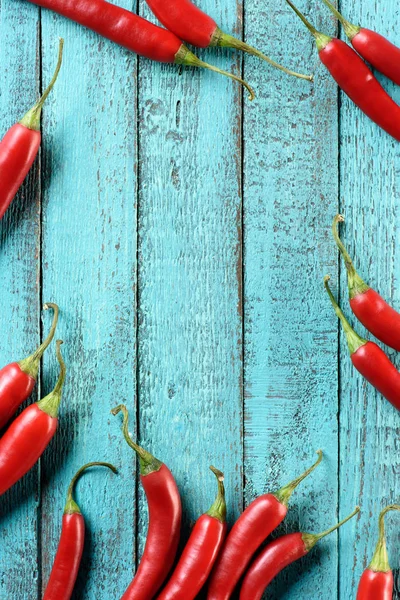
[[184, 233]]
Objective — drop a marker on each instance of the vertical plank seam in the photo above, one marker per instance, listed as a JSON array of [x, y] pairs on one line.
[[243, 429]]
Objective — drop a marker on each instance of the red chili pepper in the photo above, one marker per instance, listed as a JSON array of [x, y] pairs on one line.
[[373, 47], [69, 553], [279, 554], [17, 380], [194, 26], [165, 516], [368, 306], [354, 77], [251, 529], [369, 359], [201, 551], [135, 33], [28, 436], [20, 145], [376, 582]]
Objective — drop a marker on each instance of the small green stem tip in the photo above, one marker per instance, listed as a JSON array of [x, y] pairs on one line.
[[354, 341], [148, 463], [355, 283], [32, 118], [50, 404], [283, 495], [30, 365], [218, 509], [321, 39], [350, 30], [380, 560], [71, 506], [310, 539]]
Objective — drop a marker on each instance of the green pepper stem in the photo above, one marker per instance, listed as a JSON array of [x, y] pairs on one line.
[[71, 506], [356, 285], [218, 509], [380, 560], [51, 403], [321, 39], [283, 495], [224, 40], [310, 539], [148, 463], [32, 118], [350, 30], [30, 365], [354, 341]]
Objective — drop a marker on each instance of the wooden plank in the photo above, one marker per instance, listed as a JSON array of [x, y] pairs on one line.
[[19, 268], [370, 186], [290, 194], [190, 325], [89, 267]]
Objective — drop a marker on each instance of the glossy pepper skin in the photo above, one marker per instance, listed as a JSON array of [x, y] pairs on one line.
[[132, 32], [252, 528], [373, 47], [354, 77], [19, 148], [17, 380], [29, 435], [200, 552], [376, 582], [165, 516], [277, 556], [367, 305], [194, 26], [369, 359], [70, 548]]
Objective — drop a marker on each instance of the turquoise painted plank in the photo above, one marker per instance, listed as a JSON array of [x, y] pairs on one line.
[[190, 318], [290, 383], [370, 188], [19, 317], [89, 266]]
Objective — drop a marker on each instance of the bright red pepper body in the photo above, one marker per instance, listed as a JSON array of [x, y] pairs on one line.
[[378, 317], [15, 387], [18, 150], [68, 558], [375, 586], [277, 556], [379, 52]]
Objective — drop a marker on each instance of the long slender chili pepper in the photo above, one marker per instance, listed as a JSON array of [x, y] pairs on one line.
[[254, 525], [373, 47], [279, 554], [369, 359], [133, 32], [28, 436], [18, 379], [20, 145], [376, 582], [194, 26], [201, 551], [354, 77], [165, 516], [368, 306], [70, 548]]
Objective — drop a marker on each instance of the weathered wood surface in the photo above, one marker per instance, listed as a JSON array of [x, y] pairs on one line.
[[185, 233]]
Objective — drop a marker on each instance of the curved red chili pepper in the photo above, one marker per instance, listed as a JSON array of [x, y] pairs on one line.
[[373, 47], [277, 556], [165, 516], [29, 435], [19, 147], [17, 380], [194, 26], [376, 582], [70, 548], [354, 77], [368, 306], [131, 31], [251, 529], [200, 552], [369, 359]]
